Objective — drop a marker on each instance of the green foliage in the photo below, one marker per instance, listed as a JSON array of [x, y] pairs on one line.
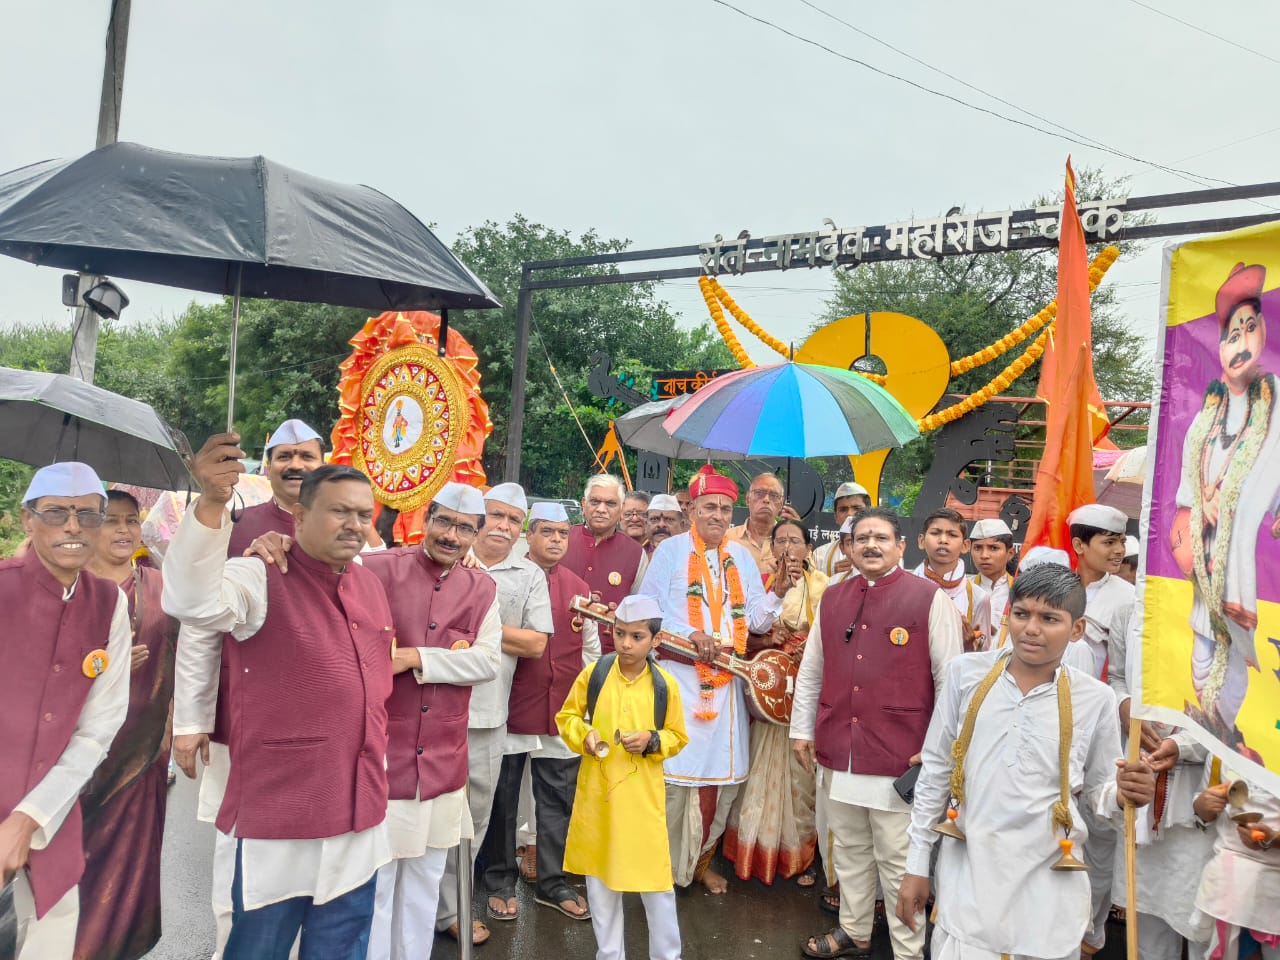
[[973, 301]]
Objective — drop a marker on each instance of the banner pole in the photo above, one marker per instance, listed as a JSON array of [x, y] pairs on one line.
[[1131, 850]]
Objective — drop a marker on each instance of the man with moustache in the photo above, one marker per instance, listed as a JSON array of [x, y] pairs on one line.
[[538, 690], [306, 798], [849, 499], [635, 515], [1229, 485], [65, 690], [664, 519], [201, 717], [524, 608], [710, 591], [764, 509], [872, 669], [599, 553]]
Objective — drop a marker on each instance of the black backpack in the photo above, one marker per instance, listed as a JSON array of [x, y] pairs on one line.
[[601, 670]]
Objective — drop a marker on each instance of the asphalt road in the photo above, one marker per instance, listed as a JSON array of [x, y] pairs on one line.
[[751, 921]]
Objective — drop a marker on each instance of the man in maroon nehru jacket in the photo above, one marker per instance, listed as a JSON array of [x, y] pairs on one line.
[[201, 717], [306, 798], [65, 690], [449, 639], [599, 552], [873, 666], [538, 691]]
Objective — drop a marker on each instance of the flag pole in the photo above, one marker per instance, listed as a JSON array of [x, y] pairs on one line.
[[1131, 850]]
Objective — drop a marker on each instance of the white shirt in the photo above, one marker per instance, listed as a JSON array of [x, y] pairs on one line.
[[523, 602], [996, 890], [866, 790], [999, 591], [717, 750], [208, 591], [103, 711], [1108, 609]]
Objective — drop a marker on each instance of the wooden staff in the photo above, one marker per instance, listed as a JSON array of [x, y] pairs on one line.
[[1131, 849]]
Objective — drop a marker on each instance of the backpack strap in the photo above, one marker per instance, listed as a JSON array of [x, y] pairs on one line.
[[659, 696], [595, 683]]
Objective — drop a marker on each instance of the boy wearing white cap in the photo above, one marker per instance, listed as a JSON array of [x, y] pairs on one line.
[[65, 690], [849, 499], [991, 544], [449, 632], [618, 832], [538, 690], [1129, 565]]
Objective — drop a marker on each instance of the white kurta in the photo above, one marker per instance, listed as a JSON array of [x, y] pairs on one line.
[[826, 557], [103, 711], [945, 643], [1107, 613], [208, 591], [994, 888], [999, 600], [551, 746], [717, 752], [971, 600], [1242, 886]]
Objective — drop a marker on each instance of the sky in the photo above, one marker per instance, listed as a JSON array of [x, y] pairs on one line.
[[667, 122]]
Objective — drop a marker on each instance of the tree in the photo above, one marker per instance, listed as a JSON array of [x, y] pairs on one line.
[[973, 301]]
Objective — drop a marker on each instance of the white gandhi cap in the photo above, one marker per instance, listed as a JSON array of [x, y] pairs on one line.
[[986, 529], [1131, 547], [292, 431], [1099, 515], [636, 608], [850, 489], [68, 479], [461, 498], [1038, 555], [549, 511], [512, 494], [664, 503]]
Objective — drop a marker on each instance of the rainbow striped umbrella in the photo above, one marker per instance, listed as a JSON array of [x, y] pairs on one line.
[[793, 410]]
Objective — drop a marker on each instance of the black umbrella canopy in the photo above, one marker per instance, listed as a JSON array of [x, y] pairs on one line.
[[180, 220], [49, 417]]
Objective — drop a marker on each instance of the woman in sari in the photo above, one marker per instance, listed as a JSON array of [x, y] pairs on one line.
[[771, 827], [124, 803]]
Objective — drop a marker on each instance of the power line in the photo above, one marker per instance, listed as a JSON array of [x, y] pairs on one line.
[[1207, 33], [1199, 179]]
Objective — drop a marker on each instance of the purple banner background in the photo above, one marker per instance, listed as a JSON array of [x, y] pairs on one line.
[[1190, 364]]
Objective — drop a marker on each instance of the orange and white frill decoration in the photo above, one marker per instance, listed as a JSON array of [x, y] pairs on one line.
[[410, 419]]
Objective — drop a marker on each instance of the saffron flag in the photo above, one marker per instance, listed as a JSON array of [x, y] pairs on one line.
[[1075, 417], [1210, 578]]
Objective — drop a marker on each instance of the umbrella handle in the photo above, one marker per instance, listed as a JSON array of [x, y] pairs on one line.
[[231, 351]]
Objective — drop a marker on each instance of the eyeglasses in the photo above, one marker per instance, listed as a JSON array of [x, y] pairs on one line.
[[58, 517], [444, 525], [635, 515], [770, 495]]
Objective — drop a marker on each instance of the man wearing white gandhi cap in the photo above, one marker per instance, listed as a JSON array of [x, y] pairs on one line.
[[665, 519], [849, 499], [65, 690]]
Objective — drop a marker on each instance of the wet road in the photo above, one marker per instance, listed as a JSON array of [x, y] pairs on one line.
[[751, 921]]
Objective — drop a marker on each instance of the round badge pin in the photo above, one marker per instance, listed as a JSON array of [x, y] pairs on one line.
[[615, 578], [460, 645], [898, 636], [95, 663]]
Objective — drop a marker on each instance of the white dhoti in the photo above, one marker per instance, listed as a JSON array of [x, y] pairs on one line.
[[484, 763], [945, 947], [695, 823], [213, 786]]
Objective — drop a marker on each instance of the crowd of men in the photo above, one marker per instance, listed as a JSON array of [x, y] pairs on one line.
[[358, 709]]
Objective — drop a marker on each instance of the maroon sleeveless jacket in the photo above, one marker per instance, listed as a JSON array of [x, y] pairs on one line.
[[541, 684], [617, 557], [254, 522], [427, 722], [309, 708], [43, 689], [877, 695]]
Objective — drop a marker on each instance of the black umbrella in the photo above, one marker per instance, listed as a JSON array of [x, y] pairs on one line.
[[233, 226], [48, 417]]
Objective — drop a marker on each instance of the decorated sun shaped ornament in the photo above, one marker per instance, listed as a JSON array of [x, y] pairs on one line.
[[916, 368]]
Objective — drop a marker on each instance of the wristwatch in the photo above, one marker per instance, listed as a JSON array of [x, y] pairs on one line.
[[654, 745]]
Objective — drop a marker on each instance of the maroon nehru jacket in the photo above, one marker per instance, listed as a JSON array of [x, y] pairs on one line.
[[877, 675], [541, 684], [615, 558], [309, 708], [252, 523], [427, 750], [43, 689]]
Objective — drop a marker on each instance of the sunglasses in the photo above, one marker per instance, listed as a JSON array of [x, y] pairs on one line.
[[58, 517]]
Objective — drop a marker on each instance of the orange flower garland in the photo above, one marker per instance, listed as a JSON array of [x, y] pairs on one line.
[[711, 678], [997, 386], [722, 325]]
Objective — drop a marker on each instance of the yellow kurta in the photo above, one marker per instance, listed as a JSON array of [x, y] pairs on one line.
[[618, 831]]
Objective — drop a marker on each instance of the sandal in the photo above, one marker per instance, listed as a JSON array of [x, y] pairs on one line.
[[836, 943], [501, 914], [808, 878], [479, 932], [830, 900], [528, 863], [565, 894]]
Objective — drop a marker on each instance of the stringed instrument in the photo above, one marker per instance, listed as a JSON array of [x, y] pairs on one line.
[[770, 676]]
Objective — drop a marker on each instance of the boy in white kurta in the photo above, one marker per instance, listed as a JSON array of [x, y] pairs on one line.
[[618, 830], [1006, 720]]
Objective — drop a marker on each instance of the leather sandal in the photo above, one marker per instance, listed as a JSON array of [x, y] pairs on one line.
[[528, 863], [835, 943]]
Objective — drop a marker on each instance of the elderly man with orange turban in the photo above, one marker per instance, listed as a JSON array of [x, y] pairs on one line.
[[710, 591]]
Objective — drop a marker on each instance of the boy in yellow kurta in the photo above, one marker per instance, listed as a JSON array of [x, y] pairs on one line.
[[618, 830]]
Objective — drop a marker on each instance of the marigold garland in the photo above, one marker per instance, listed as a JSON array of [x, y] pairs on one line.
[[722, 325], [711, 678], [997, 386]]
